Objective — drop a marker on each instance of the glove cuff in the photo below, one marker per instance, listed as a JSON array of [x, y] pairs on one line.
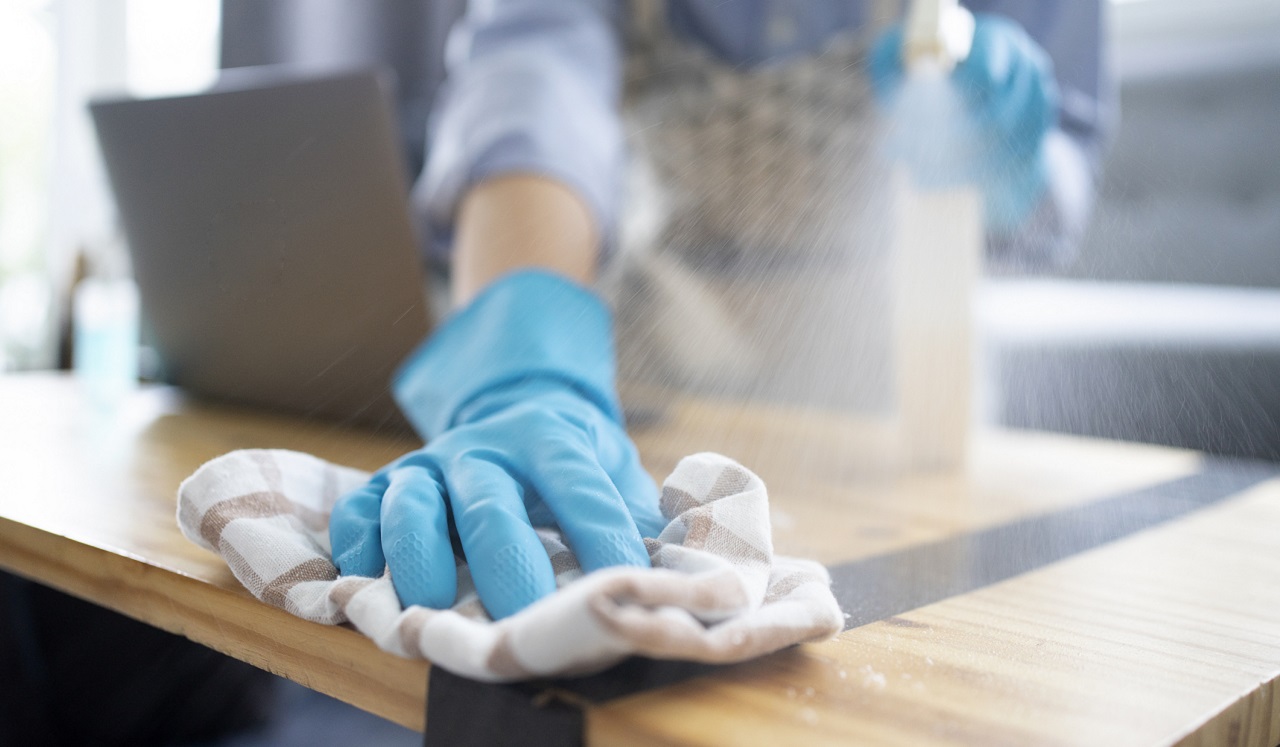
[[528, 325]]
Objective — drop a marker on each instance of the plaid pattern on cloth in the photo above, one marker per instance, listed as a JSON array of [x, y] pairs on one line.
[[716, 592]]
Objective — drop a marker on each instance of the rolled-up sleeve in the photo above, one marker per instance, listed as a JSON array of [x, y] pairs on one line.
[[1072, 33], [533, 87]]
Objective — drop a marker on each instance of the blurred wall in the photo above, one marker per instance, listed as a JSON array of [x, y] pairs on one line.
[[1167, 328]]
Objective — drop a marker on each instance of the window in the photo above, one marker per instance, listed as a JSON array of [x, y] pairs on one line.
[[27, 59], [56, 55]]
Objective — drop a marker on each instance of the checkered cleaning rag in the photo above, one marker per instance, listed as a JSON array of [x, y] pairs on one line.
[[716, 592]]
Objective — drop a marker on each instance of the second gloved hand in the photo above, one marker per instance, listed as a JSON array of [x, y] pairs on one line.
[[1009, 92], [515, 395]]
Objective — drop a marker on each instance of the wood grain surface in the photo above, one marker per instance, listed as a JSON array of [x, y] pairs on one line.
[[87, 502], [1169, 636]]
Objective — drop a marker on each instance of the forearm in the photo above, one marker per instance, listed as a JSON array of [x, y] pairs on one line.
[[518, 221], [533, 90]]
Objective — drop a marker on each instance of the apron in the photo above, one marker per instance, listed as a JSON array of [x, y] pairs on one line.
[[753, 255]]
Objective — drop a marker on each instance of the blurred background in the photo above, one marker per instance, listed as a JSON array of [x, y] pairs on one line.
[[1166, 328], [1171, 310]]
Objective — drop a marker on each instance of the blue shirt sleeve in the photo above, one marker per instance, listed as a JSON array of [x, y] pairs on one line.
[[533, 87]]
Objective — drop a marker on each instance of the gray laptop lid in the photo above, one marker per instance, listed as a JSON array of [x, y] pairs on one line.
[[271, 239]]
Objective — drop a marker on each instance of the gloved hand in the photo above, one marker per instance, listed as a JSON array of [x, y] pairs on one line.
[[1011, 98], [515, 395]]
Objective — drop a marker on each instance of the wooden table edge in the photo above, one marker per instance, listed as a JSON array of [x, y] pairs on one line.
[[334, 660]]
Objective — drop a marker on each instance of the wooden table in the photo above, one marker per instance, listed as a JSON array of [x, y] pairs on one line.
[[1038, 626]]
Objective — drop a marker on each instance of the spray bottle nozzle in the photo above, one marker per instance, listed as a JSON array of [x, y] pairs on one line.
[[939, 34]]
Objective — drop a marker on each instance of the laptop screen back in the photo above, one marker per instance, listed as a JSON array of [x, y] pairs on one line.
[[271, 240]]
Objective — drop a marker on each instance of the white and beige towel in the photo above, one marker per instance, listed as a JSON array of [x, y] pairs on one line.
[[716, 592]]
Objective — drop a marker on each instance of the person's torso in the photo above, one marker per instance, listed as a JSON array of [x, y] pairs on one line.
[[756, 218], [772, 162], [752, 32]]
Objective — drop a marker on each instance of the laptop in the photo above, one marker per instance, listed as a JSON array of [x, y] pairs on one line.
[[267, 219]]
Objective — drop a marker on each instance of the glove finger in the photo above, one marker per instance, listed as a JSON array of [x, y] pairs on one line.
[[1011, 194], [1008, 82], [355, 530], [972, 77], [587, 505], [508, 562], [885, 64], [415, 539], [639, 493], [984, 74], [1019, 112]]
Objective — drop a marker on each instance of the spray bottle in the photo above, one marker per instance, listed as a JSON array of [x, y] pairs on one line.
[[938, 246], [106, 313]]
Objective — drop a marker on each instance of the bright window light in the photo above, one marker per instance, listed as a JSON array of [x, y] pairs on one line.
[[27, 65], [173, 46], [26, 107]]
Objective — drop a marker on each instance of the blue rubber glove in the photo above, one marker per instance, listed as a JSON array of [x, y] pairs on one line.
[[515, 395], [1009, 93]]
